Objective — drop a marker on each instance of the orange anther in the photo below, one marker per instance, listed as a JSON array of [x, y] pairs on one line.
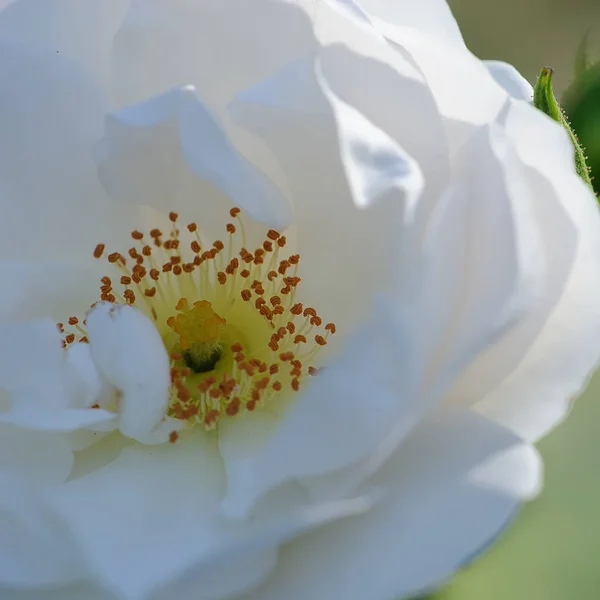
[[320, 340], [211, 416], [233, 407]]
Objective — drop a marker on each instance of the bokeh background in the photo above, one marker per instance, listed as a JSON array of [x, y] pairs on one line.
[[552, 550]]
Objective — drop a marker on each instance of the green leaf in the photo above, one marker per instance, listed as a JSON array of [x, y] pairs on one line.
[[581, 102], [545, 100]]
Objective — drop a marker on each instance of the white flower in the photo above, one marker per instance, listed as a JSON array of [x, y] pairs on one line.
[[448, 293]]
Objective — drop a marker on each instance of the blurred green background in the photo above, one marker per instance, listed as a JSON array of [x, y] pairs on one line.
[[552, 551], [529, 33]]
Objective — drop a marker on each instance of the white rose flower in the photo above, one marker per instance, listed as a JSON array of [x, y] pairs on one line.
[[364, 278]]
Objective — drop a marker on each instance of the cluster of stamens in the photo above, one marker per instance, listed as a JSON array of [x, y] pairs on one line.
[[199, 296]]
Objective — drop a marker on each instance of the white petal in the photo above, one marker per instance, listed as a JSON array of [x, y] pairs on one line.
[[129, 352], [464, 90], [346, 411], [451, 488], [171, 153], [510, 79], [537, 370], [456, 295], [35, 551], [29, 416], [432, 17], [32, 368], [50, 115], [165, 499], [248, 551], [31, 359], [373, 162], [80, 31], [166, 43], [165, 525], [484, 254], [40, 288], [39, 457], [85, 383], [32, 552], [343, 149], [65, 591]]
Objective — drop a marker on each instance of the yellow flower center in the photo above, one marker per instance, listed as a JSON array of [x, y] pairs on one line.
[[236, 335]]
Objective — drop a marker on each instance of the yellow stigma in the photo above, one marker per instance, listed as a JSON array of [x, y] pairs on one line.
[[199, 324], [236, 334]]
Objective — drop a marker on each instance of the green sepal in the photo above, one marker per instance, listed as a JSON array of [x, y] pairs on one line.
[[545, 100]]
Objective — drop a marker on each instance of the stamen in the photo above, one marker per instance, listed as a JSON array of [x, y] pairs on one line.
[[229, 327]]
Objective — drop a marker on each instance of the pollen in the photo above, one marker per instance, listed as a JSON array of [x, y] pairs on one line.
[[236, 335]]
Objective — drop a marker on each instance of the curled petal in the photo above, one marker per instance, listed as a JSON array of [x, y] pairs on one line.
[[129, 353], [171, 151]]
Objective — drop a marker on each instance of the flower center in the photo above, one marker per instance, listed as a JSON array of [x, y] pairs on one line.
[[229, 319]]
